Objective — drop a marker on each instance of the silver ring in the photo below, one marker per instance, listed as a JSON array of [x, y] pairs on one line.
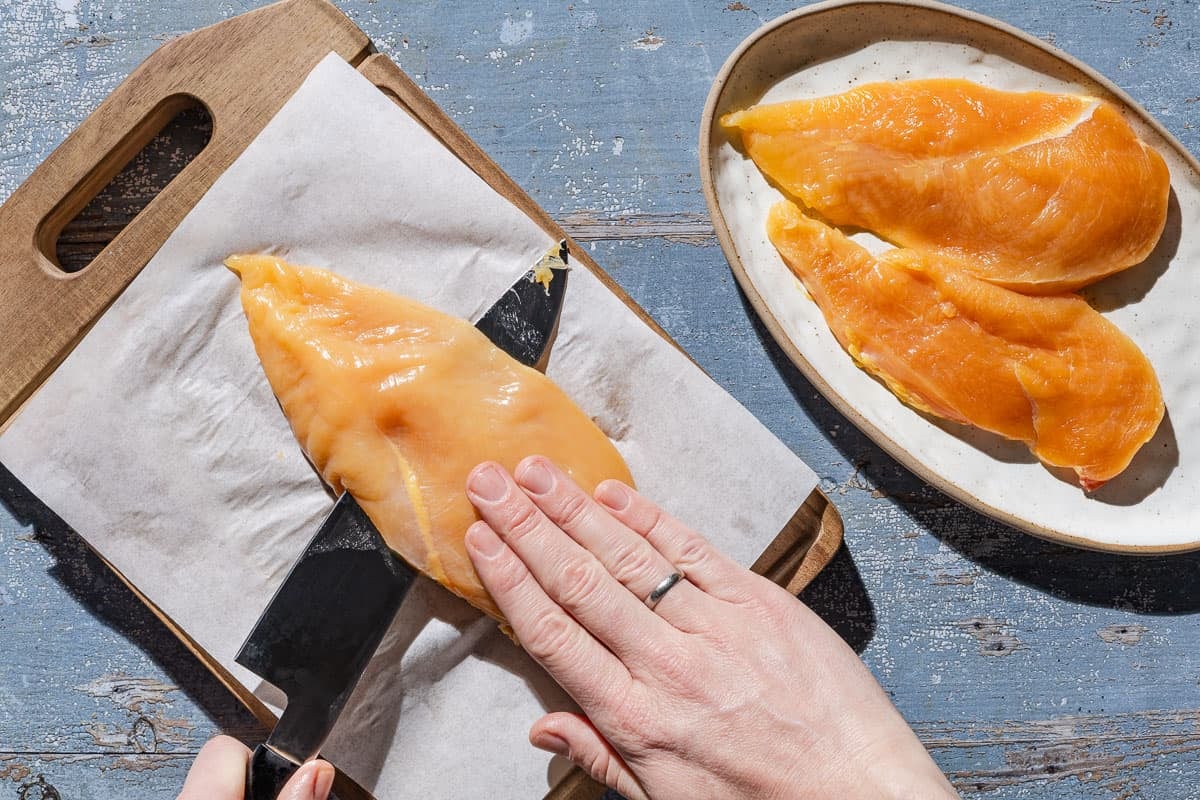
[[663, 587]]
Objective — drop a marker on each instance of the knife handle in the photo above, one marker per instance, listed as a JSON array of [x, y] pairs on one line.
[[268, 773]]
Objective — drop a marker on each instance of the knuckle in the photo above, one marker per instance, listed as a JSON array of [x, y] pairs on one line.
[[639, 726], [694, 552], [675, 665], [598, 764], [551, 638], [572, 510], [508, 577], [655, 523], [758, 594], [775, 605], [523, 519], [602, 694], [580, 585], [612, 770], [632, 562]]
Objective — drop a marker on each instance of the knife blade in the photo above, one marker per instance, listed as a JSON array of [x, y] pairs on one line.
[[316, 636], [523, 321]]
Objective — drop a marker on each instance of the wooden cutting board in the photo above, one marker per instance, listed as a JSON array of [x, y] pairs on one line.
[[242, 71]]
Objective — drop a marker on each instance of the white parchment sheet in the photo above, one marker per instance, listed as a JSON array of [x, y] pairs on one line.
[[160, 442]]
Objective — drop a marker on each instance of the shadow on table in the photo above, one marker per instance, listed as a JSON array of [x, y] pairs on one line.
[[839, 597], [1150, 585], [88, 580]]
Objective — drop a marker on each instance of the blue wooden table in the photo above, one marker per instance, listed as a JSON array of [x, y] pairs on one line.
[[1030, 670]]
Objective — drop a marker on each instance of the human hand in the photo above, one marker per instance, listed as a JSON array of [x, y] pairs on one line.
[[729, 688], [219, 773]]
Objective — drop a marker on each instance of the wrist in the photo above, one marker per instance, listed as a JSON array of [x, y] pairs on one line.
[[913, 777], [905, 782], [939, 789]]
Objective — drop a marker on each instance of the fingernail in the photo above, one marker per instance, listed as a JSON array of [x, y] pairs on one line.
[[536, 478], [313, 782], [554, 743], [488, 484], [483, 540], [613, 495], [323, 783]]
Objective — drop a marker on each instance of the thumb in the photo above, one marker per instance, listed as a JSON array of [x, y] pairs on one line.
[[219, 772], [573, 737]]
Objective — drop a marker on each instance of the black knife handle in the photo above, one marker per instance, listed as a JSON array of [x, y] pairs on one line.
[[268, 773]]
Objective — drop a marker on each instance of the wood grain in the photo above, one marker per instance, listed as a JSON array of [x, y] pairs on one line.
[[249, 70], [242, 73], [917, 563]]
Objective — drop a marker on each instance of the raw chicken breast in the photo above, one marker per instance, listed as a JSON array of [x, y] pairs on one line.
[[1048, 371], [1037, 192], [396, 402]]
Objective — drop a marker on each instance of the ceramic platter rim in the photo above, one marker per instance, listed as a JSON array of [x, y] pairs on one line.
[[809, 15]]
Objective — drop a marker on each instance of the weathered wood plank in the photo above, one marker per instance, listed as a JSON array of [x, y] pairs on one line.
[[570, 101], [1098, 756], [90, 776], [84, 666]]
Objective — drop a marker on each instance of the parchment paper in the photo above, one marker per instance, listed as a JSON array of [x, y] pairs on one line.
[[159, 441]]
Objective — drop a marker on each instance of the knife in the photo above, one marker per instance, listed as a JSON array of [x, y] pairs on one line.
[[523, 321], [316, 636]]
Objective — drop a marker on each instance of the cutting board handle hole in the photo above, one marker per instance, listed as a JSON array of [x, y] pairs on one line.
[[125, 181]]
